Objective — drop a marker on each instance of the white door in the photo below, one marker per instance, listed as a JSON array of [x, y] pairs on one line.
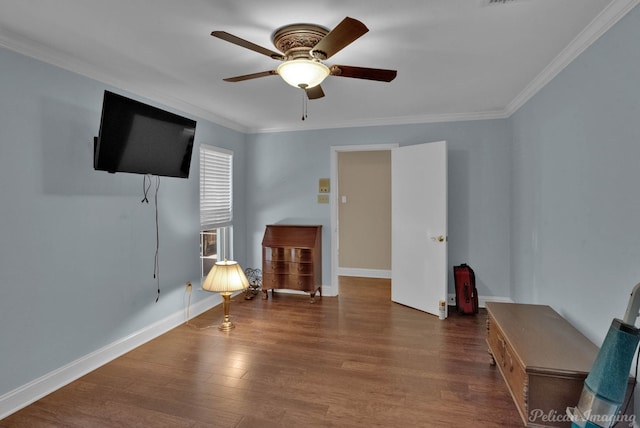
[[419, 226]]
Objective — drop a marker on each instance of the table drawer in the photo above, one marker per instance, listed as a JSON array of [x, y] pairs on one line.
[[512, 370]]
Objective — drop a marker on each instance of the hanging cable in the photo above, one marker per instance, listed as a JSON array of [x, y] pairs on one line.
[[156, 262], [188, 323], [145, 188]]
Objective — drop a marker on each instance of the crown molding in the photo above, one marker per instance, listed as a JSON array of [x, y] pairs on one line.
[[600, 25], [387, 121], [72, 64]]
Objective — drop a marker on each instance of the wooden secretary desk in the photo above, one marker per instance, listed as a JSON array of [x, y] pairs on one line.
[[292, 259]]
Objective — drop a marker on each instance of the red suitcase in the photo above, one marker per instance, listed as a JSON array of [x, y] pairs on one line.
[[466, 292]]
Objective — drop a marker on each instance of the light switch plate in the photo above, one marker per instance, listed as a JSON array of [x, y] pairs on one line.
[[323, 185]]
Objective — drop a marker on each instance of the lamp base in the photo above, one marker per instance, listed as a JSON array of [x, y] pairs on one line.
[[226, 322], [226, 326]]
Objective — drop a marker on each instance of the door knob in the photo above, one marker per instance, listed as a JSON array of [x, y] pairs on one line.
[[439, 238]]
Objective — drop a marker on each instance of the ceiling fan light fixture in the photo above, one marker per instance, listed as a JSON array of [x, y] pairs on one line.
[[303, 73]]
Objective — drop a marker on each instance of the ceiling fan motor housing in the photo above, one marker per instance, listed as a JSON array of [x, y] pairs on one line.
[[296, 41], [301, 67]]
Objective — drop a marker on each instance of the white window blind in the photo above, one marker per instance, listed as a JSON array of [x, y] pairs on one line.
[[216, 187]]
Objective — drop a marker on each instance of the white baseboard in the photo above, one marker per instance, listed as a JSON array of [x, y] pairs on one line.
[[482, 300], [21, 397], [386, 274], [365, 273]]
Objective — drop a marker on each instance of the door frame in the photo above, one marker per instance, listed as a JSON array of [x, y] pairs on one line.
[[334, 203]]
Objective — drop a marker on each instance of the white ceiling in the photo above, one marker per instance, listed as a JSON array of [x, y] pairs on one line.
[[456, 59]]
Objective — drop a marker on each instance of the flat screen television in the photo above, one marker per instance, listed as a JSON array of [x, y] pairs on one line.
[[138, 138]]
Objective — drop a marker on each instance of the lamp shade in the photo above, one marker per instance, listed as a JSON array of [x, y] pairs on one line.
[[303, 73], [225, 277]]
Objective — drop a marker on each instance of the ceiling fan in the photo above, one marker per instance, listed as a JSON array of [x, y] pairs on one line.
[[303, 48]]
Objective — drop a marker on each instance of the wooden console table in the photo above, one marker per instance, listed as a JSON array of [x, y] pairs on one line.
[[292, 258], [543, 359]]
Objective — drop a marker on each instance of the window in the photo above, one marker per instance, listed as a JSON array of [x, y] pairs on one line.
[[216, 206]]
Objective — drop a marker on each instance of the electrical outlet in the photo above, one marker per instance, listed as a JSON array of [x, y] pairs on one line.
[[188, 287], [323, 199]]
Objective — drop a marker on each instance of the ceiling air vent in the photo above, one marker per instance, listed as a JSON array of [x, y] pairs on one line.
[[495, 2]]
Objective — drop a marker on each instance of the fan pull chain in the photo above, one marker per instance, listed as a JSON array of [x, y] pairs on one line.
[[304, 104]]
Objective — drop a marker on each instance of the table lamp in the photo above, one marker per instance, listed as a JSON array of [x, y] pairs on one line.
[[225, 277]]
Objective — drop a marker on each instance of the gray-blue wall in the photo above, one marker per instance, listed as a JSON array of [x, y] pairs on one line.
[[576, 185], [77, 245], [284, 168], [544, 205]]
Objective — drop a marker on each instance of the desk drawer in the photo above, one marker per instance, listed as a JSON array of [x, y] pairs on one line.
[[287, 254], [281, 267], [292, 282]]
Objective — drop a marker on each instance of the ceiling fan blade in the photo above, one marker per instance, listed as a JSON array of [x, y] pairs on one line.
[[247, 44], [345, 33], [315, 92], [250, 76], [378, 74]]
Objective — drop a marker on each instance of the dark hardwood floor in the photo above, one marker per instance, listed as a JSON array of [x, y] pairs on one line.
[[357, 360]]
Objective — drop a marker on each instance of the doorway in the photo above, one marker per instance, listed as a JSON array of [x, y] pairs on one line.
[[359, 267], [418, 226], [364, 213]]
